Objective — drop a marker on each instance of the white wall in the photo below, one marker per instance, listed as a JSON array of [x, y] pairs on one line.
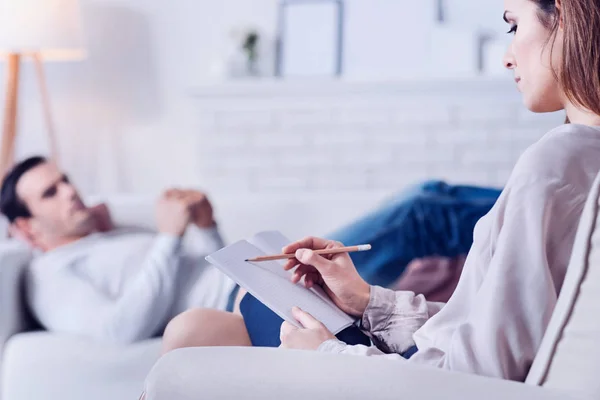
[[395, 41], [309, 157], [303, 139], [483, 16], [128, 100], [125, 119]]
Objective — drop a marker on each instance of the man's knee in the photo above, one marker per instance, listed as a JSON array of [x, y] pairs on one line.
[[181, 330], [205, 327]]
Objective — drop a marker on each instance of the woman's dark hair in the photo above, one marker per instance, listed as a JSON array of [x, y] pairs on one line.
[[10, 203], [579, 74]]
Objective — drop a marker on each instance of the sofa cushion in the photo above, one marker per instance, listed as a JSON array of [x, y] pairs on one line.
[[569, 357], [70, 368]]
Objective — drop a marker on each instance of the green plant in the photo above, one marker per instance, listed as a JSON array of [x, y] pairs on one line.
[[250, 46]]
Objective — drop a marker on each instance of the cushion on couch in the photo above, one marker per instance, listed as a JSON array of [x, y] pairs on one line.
[[67, 367]]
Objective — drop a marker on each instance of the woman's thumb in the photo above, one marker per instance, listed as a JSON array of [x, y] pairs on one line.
[[305, 319]]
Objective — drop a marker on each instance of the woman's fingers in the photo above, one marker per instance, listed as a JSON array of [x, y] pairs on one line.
[[286, 329], [311, 279], [300, 272], [309, 257], [310, 242], [290, 264]]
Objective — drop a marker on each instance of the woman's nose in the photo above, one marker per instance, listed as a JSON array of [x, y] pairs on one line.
[[509, 59]]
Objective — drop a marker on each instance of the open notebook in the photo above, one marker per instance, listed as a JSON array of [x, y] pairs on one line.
[[269, 283]]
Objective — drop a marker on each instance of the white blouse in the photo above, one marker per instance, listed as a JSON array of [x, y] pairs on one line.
[[494, 323]]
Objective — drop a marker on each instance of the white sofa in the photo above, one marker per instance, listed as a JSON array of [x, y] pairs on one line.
[[567, 365], [35, 364]]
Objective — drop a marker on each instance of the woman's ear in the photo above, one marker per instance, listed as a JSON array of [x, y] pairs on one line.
[[561, 19]]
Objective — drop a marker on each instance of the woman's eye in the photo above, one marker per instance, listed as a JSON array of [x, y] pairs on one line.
[[513, 29]]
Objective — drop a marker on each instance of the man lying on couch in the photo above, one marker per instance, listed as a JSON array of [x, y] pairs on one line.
[[122, 284], [114, 284]]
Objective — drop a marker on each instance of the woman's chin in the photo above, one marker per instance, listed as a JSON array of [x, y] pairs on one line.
[[538, 105], [545, 101]]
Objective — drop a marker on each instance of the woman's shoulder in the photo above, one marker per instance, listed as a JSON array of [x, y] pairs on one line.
[[568, 154]]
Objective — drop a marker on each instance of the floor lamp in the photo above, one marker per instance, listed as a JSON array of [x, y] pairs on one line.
[[38, 31]]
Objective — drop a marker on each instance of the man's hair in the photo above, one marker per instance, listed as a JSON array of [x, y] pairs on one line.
[[10, 203]]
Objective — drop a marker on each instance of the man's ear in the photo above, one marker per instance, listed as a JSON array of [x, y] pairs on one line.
[[22, 230]]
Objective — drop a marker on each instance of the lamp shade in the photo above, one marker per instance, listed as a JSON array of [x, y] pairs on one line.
[[51, 28]]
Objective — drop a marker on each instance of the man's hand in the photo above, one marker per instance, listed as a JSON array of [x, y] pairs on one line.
[[101, 214], [173, 213], [312, 334], [202, 211]]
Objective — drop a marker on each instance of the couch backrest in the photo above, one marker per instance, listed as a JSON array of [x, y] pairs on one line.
[[569, 357]]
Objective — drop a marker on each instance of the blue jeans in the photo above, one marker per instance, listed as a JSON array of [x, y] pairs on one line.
[[430, 219]]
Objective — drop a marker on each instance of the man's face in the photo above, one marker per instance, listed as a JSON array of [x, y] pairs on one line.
[[56, 208]]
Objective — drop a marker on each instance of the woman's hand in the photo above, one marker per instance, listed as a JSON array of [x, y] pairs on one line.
[[336, 274], [312, 334]]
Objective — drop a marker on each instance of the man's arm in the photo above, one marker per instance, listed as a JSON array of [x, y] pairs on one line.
[[202, 236], [202, 241]]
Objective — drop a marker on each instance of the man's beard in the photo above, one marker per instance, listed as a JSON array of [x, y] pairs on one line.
[[81, 225], [84, 225]]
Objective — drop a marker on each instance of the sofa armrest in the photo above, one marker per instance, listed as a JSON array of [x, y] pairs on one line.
[[255, 373], [14, 258]]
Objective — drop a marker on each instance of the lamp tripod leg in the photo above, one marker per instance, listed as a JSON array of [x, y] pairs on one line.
[[7, 151]]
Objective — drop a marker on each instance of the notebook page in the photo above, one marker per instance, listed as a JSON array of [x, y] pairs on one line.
[[272, 242], [275, 291]]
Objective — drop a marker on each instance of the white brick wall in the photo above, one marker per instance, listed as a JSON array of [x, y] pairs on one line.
[[291, 139]]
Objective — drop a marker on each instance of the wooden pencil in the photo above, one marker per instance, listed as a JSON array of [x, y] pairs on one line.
[[349, 249]]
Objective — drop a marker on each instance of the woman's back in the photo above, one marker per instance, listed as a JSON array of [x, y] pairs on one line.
[[518, 261]]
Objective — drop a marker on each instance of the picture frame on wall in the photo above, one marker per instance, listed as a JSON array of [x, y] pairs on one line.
[[310, 38]]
